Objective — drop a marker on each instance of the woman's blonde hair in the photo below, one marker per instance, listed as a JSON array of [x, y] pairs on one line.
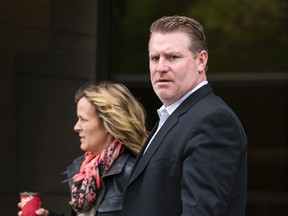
[[123, 116]]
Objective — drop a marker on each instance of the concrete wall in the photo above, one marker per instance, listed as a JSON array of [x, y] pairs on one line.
[[47, 51]]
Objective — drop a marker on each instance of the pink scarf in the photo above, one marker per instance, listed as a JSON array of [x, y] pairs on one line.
[[87, 183]]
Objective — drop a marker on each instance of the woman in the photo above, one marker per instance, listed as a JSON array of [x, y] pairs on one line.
[[111, 127]]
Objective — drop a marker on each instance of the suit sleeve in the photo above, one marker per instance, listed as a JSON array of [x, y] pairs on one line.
[[212, 160]]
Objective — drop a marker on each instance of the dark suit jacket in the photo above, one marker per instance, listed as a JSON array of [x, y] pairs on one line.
[[195, 165]]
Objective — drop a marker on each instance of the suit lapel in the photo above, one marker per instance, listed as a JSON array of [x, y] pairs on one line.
[[143, 160], [140, 155]]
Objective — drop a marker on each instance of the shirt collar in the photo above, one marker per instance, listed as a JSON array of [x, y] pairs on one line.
[[171, 108]]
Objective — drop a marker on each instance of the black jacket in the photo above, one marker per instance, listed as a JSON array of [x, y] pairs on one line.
[[109, 202], [196, 165]]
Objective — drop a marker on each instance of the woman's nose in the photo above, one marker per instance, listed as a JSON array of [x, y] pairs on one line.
[[77, 126]]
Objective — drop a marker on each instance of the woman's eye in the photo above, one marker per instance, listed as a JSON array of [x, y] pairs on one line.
[[82, 119]]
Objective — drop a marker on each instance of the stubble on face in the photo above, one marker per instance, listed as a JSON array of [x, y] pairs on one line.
[[165, 93], [172, 65]]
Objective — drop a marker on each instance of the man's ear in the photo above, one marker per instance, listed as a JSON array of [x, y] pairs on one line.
[[202, 60]]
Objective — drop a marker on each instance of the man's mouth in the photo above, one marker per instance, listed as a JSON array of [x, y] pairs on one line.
[[163, 81]]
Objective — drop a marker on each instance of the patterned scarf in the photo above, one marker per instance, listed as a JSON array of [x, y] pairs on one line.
[[87, 183]]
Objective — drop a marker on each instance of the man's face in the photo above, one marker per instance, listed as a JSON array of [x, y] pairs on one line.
[[174, 70]]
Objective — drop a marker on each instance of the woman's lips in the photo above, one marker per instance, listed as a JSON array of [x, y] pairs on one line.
[[82, 139]]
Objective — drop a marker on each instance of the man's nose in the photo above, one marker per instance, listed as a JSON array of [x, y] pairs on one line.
[[162, 65]]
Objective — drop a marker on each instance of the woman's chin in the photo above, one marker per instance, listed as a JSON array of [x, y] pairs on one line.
[[83, 147]]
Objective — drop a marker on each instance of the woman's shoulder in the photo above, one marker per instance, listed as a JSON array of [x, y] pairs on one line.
[[123, 164], [129, 162], [128, 158], [116, 180]]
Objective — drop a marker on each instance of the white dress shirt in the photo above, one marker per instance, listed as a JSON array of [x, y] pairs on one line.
[[165, 112]]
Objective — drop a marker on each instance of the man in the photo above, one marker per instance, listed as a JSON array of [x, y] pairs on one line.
[[194, 161]]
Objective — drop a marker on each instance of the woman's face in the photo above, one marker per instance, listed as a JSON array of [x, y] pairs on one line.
[[93, 135]]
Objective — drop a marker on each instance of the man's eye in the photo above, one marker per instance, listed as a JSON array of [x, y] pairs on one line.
[[173, 57], [154, 58]]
